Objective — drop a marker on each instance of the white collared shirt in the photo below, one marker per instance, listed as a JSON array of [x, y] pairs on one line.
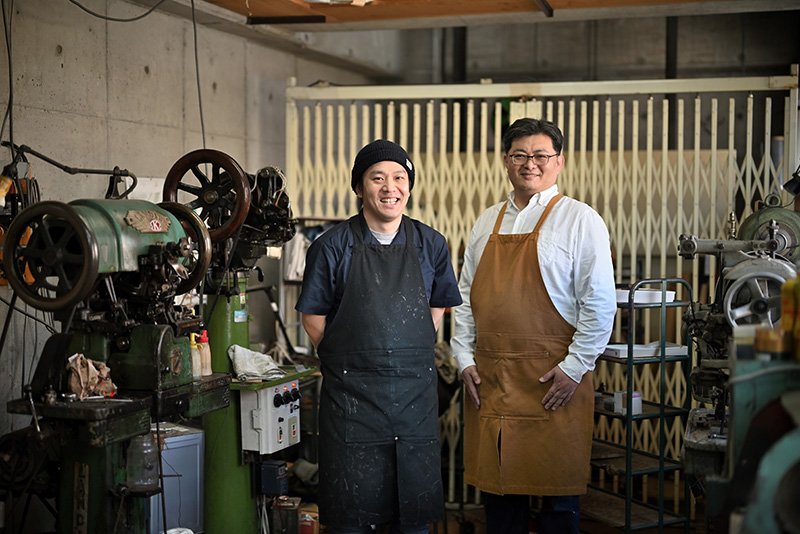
[[575, 262]]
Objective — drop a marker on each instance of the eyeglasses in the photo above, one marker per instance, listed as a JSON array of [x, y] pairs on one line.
[[538, 159]]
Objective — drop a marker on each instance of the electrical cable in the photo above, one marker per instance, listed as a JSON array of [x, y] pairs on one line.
[[115, 173], [161, 475], [35, 345], [222, 280], [5, 119], [197, 77], [49, 327], [115, 19], [47, 316], [201, 289], [179, 477], [7, 27], [16, 155], [281, 323], [7, 323], [7, 20], [68, 325], [24, 338]]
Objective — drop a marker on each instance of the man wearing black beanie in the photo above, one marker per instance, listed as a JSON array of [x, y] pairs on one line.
[[374, 292]]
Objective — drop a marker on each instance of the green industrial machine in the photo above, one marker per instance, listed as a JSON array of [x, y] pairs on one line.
[[109, 270], [115, 273], [741, 443], [244, 214], [750, 464], [227, 317], [241, 230], [761, 483]]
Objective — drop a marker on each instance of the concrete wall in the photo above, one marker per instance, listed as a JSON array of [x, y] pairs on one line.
[[96, 94]]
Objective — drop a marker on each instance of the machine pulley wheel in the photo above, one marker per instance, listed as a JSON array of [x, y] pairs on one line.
[[787, 236], [61, 255], [754, 299], [223, 195], [198, 233]]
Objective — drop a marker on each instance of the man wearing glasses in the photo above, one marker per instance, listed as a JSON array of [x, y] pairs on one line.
[[539, 304]]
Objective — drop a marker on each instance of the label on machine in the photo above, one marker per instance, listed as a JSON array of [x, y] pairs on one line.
[[239, 316]]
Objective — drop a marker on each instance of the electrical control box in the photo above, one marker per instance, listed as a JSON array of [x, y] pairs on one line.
[[271, 417]]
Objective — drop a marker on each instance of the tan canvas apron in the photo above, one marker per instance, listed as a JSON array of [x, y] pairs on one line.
[[512, 444]]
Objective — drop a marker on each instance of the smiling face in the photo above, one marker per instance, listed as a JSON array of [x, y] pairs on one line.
[[384, 190], [531, 178]]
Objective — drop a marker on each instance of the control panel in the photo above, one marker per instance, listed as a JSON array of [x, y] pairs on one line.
[[271, 417]]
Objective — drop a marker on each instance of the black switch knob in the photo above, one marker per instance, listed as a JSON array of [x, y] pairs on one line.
[[287, 397], [277, 400], [296, 394]]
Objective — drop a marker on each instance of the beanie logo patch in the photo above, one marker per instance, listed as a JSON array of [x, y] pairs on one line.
[[409, 165]]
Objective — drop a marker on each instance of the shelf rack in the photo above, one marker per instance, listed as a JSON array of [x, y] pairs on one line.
[[625, 461]]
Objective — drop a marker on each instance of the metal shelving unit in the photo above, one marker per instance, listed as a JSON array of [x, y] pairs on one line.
[[625, 461]]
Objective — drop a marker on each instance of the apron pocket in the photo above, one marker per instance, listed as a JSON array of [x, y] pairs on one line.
[[519, 392], [387, 404]]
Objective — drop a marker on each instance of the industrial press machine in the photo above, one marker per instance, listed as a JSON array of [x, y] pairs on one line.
[[115, 274], [742, 442]]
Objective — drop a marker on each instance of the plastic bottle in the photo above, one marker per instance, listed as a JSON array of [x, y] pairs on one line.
[[197, 358], [205, 352]]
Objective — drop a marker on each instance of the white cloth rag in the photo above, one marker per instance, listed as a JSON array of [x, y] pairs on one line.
[[251, 365]]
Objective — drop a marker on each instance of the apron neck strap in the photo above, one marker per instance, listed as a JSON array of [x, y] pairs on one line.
[[359, 225], [499, 220], [547, 210], [549, 207]]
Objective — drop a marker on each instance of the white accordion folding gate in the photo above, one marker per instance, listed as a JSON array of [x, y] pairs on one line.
[[656, 159]]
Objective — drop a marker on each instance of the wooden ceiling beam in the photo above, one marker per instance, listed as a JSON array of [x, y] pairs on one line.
[[381, 14]]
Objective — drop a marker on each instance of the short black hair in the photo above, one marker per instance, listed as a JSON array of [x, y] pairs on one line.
[[527, 126]]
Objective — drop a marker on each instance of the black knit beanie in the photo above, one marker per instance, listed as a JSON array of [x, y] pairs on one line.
[[380, 150]]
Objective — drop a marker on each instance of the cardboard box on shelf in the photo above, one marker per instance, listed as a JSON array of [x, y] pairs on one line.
[[621, 402]]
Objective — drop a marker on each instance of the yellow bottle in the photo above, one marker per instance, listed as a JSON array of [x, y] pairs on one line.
[[197, 361]]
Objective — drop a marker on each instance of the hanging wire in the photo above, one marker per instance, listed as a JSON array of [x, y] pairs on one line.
[[197, 76], [201, 288], [49, 327], [7, 26], [115, 19]]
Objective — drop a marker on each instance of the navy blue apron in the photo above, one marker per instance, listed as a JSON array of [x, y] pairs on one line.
[[379, 447]]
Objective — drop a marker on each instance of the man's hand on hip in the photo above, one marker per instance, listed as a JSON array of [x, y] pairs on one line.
[[560, 392], [472, 382]]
